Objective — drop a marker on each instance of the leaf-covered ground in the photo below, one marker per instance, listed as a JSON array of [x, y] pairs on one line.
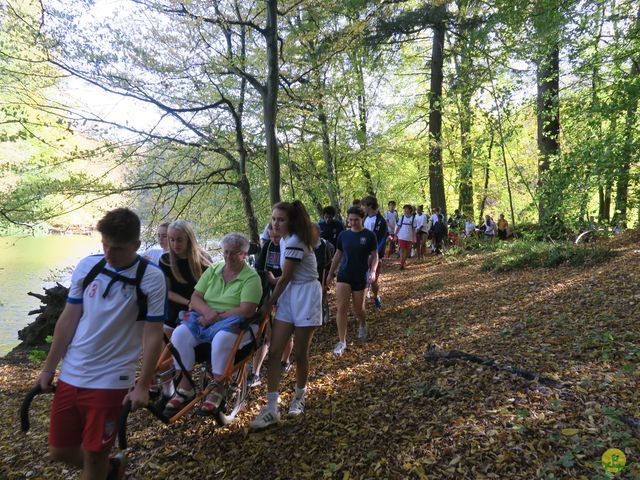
[[383, 411]]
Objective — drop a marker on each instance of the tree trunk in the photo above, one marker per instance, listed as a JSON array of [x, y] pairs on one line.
[[622, 184], [243, 181], [486, 177], [329, 162], [604, 202], [465, 203], [436, 176], [547, 22], [361, 122], [548, 120], [270, 100]]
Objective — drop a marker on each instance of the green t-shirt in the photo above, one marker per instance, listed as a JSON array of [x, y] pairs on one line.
[[222, 296]]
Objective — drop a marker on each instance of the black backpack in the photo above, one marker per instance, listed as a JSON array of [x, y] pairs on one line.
[[99, 268], [401, 221], [324, 254]]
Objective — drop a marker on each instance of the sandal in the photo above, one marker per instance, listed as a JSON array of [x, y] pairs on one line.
[[211, 404], [178, 402]]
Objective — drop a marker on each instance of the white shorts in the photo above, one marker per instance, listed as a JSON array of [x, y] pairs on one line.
[[301, 304]]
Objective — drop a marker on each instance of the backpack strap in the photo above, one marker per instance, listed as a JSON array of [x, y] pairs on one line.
[[93, 273], [141, 298]]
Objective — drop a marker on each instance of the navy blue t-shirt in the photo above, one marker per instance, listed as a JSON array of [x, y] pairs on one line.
[[356, 248]]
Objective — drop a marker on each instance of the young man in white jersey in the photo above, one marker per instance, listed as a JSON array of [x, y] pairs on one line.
[[100, 335], [391, 216], [434, 219], [423, 226], [376, 223]]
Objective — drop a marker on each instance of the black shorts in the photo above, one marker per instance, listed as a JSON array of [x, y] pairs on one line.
[[356, 285]]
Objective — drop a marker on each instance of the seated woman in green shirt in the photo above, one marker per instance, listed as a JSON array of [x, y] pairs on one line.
[[226, 293]]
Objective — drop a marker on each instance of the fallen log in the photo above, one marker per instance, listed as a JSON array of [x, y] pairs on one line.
[[433, 353], [35, 334]]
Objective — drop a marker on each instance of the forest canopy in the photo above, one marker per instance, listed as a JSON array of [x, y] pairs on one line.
[[220, 108]]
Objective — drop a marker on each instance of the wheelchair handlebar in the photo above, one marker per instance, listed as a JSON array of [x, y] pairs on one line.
[[124, 415], [26, 404]]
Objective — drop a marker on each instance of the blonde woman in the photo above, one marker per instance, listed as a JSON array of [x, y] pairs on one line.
[[183, 265]]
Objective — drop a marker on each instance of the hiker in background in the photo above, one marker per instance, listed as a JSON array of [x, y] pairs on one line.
[[406, 232], [376, 223], [154, 254], [423, 225], [434, 219], [490, 228], [330, 226], [456, 221], [355, 203], [439, 234], [469, 227], [391, 216], [503, 227]]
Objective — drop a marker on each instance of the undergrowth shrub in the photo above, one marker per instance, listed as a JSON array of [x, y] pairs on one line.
[[531, 254]]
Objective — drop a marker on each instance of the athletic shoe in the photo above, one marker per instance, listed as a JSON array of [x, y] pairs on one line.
[[362, 332], [253, 380], [297, 406], [285, 366], [178, 402], [339, 348], [264, 419], [118, 464], [377, 303]]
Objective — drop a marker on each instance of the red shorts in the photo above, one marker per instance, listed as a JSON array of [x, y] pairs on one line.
[[406, 244], [85, 416]]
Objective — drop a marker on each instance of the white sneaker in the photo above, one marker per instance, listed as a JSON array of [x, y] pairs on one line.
[[264, 419], [297, 406], [339, 348], [362, 332]]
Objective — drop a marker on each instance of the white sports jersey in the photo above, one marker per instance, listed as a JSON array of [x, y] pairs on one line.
[[291, 247], [421, 222], [406, 226], [105, 348], [154, 254], [370, 222], [391, 218]]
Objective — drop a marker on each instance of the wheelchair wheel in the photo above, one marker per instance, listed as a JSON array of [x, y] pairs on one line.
[[235, 398]]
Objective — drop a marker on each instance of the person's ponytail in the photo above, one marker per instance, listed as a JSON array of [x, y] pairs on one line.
[[303, 226]]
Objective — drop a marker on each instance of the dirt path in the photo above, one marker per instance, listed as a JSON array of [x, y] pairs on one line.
[[383, 411]]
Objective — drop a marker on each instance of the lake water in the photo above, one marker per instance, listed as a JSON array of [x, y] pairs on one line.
[[28, 264]]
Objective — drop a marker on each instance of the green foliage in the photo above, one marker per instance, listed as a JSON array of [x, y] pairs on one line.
[[353, 109], [37, 356], [522, 254]]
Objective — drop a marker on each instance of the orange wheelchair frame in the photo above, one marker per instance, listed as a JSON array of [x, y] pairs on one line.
[[233, 380]]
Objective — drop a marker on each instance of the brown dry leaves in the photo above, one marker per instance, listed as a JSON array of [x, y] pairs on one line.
[[382, 411]]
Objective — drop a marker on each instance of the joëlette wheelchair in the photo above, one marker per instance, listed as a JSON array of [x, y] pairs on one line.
[[233, 381]]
